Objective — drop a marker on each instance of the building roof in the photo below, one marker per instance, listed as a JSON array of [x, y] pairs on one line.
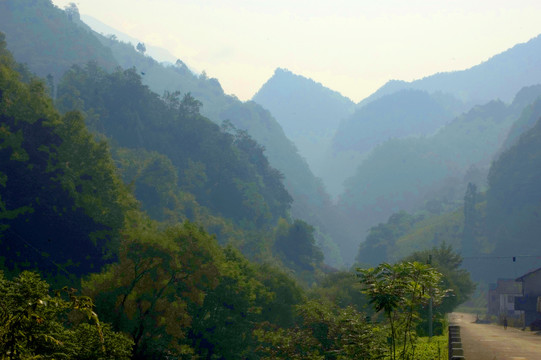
[[527, 274]]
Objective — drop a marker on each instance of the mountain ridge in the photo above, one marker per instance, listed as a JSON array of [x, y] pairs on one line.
[[308, 112], [471, 92], [217, 106]]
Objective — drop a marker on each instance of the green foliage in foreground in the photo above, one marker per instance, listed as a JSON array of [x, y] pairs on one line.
[[229, 322], [434, 348], [36, 325], [399, 291], [323, 332], [455, 280], [173, 291], [178, 294]]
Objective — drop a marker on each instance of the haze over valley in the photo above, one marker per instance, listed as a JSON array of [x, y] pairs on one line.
[[195, 224]]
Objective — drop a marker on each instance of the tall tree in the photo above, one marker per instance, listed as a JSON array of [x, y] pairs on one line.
[[471, 219], [51, 169], [399, 290], [147, 293], [33, 324], [141, 48], [296, 246], [455, 280]]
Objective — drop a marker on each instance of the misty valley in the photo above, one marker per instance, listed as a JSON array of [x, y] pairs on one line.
[[147, 214]]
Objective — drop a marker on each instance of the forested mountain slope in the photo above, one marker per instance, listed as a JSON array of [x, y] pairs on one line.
[[514, 198], [228, 174], [168, 289], [59, 211], [158, 53], [495, 230], [310, 199], [66, 213], [403, 174], [44, 37], [403, 114], [401, 109], [528, 118]]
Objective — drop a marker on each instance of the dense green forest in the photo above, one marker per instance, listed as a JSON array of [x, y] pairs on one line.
[[146, 214], [25, 38], [311, 201], [489, 217], [49, 24], [154, 289], [227, 173], [432, 173]]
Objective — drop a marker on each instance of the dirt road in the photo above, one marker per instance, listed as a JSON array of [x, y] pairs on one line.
[[492, 342]]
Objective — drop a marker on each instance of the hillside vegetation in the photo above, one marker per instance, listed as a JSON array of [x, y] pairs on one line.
[[146, 214], [306, 190], [152, 289]]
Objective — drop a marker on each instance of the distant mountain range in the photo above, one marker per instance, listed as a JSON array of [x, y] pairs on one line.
[[409, 173], [500, 77], [393, 150], [405, 113], [401, 146], [496, 228], [158, 53]]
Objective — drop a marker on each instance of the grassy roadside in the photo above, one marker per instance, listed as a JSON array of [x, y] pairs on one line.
[[431, 349]]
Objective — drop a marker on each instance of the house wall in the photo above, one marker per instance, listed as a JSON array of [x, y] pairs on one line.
[[501, 298], [531, 285], [507, 304]]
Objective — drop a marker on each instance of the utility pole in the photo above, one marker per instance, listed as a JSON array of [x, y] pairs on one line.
[[430, 306]]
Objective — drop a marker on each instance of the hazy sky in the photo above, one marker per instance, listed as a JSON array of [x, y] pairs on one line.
[[351, 46]]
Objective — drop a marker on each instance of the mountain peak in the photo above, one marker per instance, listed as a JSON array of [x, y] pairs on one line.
[[308, 112], [290, 83]]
